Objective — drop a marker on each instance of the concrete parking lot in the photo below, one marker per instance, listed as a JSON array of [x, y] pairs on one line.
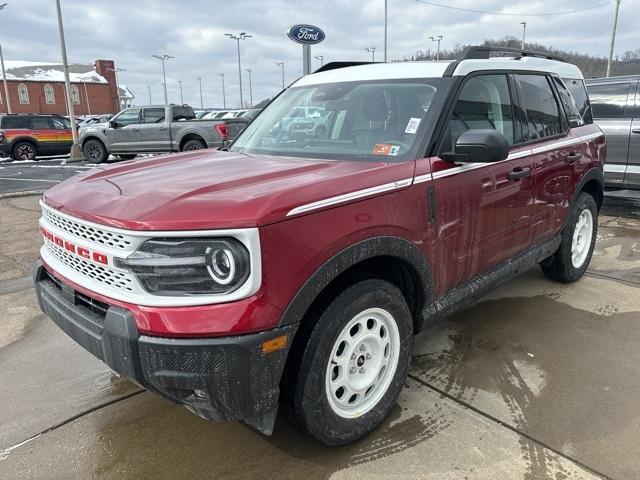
[[536, 381]]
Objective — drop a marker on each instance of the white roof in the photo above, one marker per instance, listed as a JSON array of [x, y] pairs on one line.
[[125, 92], [50, 72], [400, 70]]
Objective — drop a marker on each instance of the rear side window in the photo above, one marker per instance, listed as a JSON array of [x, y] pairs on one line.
[[153, 115], [183, 113], [15, 122], [39, 123], [569, 104], [579, 93], [484, 102], [543, 115], [609, 100]]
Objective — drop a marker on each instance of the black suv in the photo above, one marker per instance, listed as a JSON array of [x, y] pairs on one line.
[[26, 136]]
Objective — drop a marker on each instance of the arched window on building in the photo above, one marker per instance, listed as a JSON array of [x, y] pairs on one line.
[[49, 95], [75, 95], [23, 94]]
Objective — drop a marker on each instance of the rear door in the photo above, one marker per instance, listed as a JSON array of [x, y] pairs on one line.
[[154, 133], [125, 137], [612, 107], [64, 138], [42, 131], [632, 174]]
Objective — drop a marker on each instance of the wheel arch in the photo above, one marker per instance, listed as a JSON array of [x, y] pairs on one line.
[[592, 182], [190, 136], [23, 139]]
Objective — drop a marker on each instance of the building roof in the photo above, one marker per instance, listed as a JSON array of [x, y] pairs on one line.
[[50, 72], [125, 92]]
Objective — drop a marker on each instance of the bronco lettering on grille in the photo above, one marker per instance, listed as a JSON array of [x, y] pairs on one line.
[[75, 249]]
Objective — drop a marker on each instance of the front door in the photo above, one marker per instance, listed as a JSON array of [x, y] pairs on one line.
[[124, 136], [484, 209]]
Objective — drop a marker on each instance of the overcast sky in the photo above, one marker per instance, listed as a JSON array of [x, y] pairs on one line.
[[192, 31]]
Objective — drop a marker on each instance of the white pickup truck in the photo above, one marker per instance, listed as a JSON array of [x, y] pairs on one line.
[[155, 128]]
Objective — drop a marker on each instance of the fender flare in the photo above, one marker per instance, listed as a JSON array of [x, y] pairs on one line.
[[370, 248], [25, 138], [592, 174]]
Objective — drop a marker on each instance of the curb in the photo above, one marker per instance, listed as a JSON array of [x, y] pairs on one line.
[[21, 194]]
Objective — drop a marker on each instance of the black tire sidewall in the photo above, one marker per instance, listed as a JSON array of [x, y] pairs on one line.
[[201, 144], [17, 146], [99, 144], [312, 409]]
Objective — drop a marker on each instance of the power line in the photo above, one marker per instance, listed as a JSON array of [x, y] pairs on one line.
[[547, 14]]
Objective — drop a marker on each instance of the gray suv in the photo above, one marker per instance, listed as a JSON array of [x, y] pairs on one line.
[[615, 103]]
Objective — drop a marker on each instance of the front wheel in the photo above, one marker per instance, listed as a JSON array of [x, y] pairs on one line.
[[94, 151], [571, 260], [345, 379]]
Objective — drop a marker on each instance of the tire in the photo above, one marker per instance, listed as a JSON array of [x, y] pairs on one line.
[[94, 151], [193, 144], [24, 151], [127, 156], [374, 318], [571, 260]]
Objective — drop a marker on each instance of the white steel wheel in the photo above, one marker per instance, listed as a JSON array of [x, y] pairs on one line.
[[582, 237], [363, 362]]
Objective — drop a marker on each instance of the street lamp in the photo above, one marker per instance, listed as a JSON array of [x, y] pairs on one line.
[[224, 96], [164, 58], [237, 38], [321, 58], [116, 70], [437, 38], [75, 154], [386, 24], [373, 53], [180, 85], [250, 89], [524, 32], [4, 75], [281, 65], [200, 82]]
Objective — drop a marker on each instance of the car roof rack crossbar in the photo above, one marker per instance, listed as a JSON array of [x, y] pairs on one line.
[[335, 65], [484, 52]]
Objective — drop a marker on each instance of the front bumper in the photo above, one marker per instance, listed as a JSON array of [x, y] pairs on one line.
[[221, 379]]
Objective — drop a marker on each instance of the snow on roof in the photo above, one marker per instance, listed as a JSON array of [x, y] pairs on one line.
[[50, 72], [125, 92]]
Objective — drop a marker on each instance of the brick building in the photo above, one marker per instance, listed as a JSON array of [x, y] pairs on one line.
[[39, 88]]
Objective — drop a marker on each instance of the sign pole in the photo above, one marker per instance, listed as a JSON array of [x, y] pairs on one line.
[[306, 59], [306, 35]]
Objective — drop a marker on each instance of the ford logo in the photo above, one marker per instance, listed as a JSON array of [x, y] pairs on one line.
[[306, 34]]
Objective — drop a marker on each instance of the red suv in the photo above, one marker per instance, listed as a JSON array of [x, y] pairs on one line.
[[296, 269], [27, 136]]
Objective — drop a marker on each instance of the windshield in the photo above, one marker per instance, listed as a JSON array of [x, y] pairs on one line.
[[350, 121]]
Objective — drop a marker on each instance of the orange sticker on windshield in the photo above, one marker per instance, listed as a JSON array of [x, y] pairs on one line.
[[381, 149]]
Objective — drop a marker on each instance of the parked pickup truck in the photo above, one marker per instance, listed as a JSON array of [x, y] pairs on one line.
[[295, 271], [155, 128]]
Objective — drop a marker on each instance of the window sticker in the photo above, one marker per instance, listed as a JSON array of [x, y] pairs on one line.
[[412, 126], [382, 149], [395, 149]]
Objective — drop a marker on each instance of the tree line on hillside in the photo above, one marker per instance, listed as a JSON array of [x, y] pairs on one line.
[[591, 66]]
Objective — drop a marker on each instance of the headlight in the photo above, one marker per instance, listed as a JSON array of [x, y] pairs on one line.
[[189, 266]]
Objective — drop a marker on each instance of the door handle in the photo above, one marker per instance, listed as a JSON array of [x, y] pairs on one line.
[[635, 130], [519, 173], [573, 157]]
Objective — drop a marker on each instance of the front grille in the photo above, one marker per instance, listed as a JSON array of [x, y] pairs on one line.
[[119, 280], [87, 232]]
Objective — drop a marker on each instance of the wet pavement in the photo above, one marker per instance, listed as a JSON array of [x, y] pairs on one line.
[[536, 381]]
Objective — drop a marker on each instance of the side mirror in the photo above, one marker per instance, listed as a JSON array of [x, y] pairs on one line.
[[113, 124], [479, 145]]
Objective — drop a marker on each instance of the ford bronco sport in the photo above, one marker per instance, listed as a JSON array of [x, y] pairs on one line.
[[296, 271]]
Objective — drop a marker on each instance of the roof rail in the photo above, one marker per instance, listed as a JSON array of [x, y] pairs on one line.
[[483, 52], [335, 65]]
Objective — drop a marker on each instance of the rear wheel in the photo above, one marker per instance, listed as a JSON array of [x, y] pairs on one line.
[[571, 260], [24, 151], [345, 379], [193, 144], [95, 151]]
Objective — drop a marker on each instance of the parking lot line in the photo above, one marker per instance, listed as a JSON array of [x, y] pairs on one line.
[[29, 180]]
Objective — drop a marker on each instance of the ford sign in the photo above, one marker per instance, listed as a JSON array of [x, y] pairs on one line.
[[306, 34]]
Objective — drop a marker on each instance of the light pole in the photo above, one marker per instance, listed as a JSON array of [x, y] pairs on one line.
[[237, 38], [385, 30], [321, 58], [613, 38], [373, 53], [250, 89], [224, 95], [116, 70], [281, 65], [4, 75], [164, 58], [437, 38], [75, 154], [180, 85], [524, 33], [200, 83], [149, 92]]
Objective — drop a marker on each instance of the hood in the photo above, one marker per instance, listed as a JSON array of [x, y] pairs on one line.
[[212, 189]]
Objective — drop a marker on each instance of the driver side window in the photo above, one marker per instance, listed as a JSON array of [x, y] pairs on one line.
[[128, 117], [484, 103]]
